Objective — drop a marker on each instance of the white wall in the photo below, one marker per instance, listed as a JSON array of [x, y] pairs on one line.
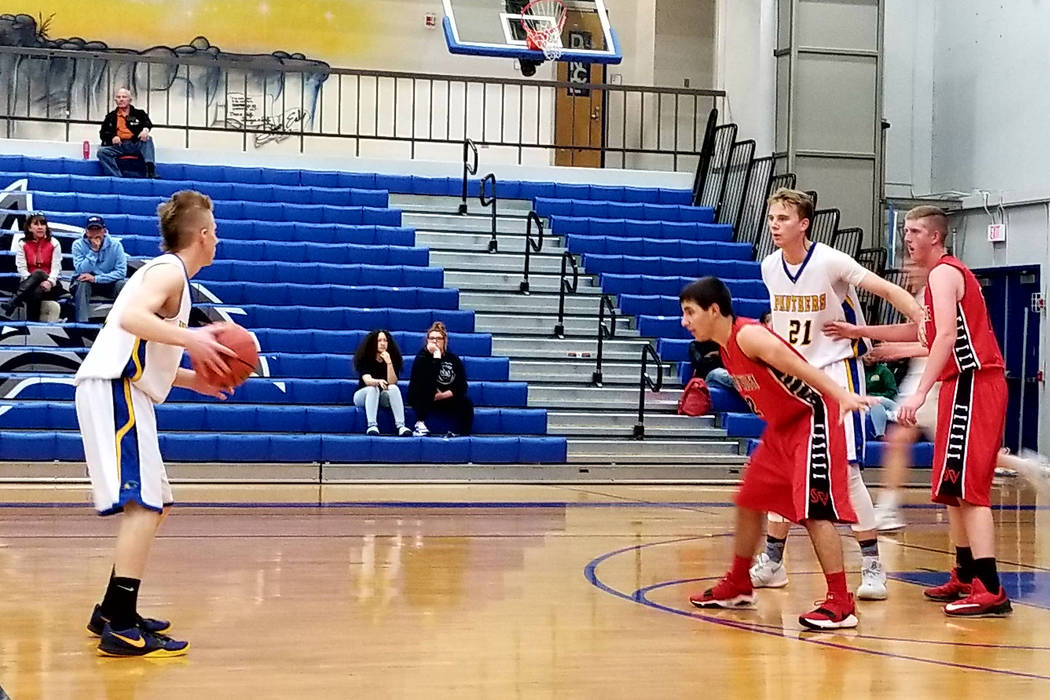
[[744, 67], [686, 46]]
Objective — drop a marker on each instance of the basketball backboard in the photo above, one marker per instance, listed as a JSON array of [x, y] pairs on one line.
[[494, 28]]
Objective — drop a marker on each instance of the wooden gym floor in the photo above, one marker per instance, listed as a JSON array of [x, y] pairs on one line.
[[496, 592]]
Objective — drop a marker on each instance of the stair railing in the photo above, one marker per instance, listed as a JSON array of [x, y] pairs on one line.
[[490, 202], [468, 169], [566, 287], [531, 245], [645, 381], [603, 333]]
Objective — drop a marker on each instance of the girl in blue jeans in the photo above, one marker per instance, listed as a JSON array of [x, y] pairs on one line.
[[378, 362]]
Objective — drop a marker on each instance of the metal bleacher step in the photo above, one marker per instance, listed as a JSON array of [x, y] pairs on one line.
[[534, 324], [577, 371], [566, 396], [651, 450], [451, 240], [469, 223], [561, 348], [437, 204], [494, 262], [510, 281], [559, 420], [537, 302]]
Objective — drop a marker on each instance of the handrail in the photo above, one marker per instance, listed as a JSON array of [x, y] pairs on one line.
[[490, 202], [603, 333], [531, 245], [468, 169], [563, 287], [645, 381]]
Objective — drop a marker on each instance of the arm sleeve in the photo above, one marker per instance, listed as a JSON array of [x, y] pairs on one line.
[[20, 262], [460, 386], [120, 268], [80, 260], [418, 381], [106, 132], [56, 263], [888, 381], [146, 123], [843, 267]]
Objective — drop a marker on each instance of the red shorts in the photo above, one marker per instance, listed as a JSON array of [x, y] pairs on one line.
[[800, 471], [969, 435]]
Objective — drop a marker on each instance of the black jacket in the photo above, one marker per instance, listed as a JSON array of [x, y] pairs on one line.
[[137, 121], [704, 357], [430, 376]]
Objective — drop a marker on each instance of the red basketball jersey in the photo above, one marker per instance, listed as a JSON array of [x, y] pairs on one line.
[[778, 398], [975, 344]]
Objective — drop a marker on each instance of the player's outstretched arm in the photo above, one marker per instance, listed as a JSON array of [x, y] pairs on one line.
[[901, 300], [897, 332], [886, 352], [188, 379], [946, 284], [758, 343], [158, 297]]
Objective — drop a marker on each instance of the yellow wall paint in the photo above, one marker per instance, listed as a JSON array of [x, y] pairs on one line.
[[336, 31]]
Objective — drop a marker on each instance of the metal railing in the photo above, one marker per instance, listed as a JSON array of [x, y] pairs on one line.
[[603, 333], [645, 381], [531, 245], [294, 104], [490, 202], [468, 169], [565, 287]]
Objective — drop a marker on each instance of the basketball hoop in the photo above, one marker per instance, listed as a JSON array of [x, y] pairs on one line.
[[543, 21]]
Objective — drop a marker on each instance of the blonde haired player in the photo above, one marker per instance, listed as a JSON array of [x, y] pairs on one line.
[[132, 366], [811, 285]]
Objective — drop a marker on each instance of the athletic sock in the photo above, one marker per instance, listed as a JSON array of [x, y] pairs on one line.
[[740, 574], [121, 602], [869, 548], [984, 570], [837, 583], [888, 499], [775, 548], [964, 564]]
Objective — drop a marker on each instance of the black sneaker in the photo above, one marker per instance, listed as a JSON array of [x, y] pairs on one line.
[[98, 622], [404, 431], [136, 642], [372, 430]]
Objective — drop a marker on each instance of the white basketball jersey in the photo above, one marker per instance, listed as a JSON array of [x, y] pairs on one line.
[[805, 297], [151, 366]]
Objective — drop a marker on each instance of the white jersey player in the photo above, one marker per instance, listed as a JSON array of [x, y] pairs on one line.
[[812, 286], [132, 366]]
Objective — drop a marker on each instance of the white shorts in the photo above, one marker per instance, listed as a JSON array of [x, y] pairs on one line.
[[119, 429], [849, 374]]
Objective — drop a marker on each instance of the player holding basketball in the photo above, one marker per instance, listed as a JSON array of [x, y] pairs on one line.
[[799, 470], [132, 366], [964, 356], [812, 284]]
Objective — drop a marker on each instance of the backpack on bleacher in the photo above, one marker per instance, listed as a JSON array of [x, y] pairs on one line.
[[695, 399]]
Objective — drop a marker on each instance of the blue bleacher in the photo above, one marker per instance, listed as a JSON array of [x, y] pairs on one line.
[[343, 295], [673, 230], [921, 453]]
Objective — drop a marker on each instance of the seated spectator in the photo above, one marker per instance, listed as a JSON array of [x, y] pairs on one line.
[[38, 260], [125, 131], [439, 384], [378, 362], [100, 266], [881, 383]]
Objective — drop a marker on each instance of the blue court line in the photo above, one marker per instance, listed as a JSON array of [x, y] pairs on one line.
[[477, 504], [590, 573]]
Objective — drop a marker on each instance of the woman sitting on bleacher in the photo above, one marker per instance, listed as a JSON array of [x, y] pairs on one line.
[[378, 362], [439, 384], [39, 262]]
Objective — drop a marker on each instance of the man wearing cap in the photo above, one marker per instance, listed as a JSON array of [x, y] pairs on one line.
[[100, 266], [125, 131]]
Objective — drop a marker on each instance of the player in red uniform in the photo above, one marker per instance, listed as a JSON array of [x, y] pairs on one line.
[[965, 357], [799, 470]]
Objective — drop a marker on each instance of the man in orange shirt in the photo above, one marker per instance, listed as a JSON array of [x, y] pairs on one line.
[[125, 131]]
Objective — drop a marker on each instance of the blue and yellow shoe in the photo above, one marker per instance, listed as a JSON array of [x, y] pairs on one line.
[[99, 621], [136, 642]]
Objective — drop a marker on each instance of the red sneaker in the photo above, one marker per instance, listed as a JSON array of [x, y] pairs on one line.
[[952, 589], [980, 603], [725, 594], [834, 613]]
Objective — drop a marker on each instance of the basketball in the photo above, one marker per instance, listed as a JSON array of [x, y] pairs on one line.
[[242, 365]]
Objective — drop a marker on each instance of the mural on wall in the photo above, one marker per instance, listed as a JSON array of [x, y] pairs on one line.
[[275, 93]]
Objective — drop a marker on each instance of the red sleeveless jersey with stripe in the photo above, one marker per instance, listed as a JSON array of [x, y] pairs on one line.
[[777, 397], [975, 345]]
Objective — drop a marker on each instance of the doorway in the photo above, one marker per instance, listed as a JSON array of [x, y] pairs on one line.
[[579, 121]]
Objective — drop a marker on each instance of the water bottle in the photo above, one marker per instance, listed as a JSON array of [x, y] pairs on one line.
[[87, 150]]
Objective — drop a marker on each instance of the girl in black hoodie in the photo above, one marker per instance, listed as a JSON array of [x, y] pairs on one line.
[[439, 384]]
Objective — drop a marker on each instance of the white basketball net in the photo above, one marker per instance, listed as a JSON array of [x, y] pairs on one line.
[[543, 21]]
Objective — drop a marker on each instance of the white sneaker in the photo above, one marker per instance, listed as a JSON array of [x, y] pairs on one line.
[[872, 580], [421, 429], [889, 518], [766, 573]]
